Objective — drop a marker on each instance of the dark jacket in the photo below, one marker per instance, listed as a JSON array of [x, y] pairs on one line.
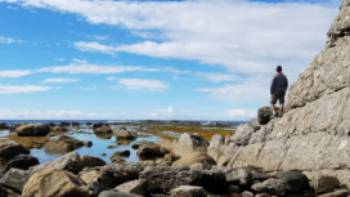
[[279, 84]]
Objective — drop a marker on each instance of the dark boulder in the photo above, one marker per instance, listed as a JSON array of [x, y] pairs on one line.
[[33, 130], [10, 150], [161, 179], [264, 115], [151, 151], [296, 181], [116, 174], [22, 161]]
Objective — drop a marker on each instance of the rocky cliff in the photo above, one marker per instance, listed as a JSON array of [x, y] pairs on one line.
[[313, 136]]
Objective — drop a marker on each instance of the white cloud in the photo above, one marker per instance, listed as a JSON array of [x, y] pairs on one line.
[[21, 89], [241, 114], [223, 32], [142, 84], [59, 80], [86, 68], [8, 40], [14, 73], [217, 77], [245, 92]]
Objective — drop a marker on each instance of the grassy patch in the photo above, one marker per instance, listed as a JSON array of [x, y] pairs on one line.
[[172, 131]]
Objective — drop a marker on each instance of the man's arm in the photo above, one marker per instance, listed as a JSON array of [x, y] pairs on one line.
[[272, 88]]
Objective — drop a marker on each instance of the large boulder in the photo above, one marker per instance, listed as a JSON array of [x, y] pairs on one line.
[[71, 162], [296, 181], [324, 183], [162, 179], [124, 134], [14, 180], [22, 161], [32, 130], [63, 144], [116, 174], [102, 129], [9, 150], [151, 151], [56, 183]]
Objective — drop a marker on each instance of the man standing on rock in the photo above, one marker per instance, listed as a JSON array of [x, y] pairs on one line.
[[279, 87]]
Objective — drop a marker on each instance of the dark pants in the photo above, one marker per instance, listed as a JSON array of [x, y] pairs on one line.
[[277, 96]]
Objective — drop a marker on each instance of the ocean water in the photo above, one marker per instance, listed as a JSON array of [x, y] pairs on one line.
[[101, 147]]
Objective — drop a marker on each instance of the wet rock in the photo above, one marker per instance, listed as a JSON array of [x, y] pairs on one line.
[[337, 193], [188, 191], [14, 180], [124, 134], [125, 153], [4, 126], [63, 144], [272, 186], [117, 159], [22, 161], [296, 181], [32, 130], [58, 129], [9, 150], [264, 115], [102, 130], [113, 193], [136, 146], [151, 151], [71, 162], [56, 183], [325, 184], [112, 146], [116, 174], [135, 187]]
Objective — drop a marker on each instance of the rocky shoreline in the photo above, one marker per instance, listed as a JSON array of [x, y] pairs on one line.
[[179, 169]]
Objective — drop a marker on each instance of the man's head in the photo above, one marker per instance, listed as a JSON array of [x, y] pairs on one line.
[[279, 69]]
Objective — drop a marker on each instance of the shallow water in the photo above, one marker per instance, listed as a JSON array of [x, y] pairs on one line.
[[98, 149]]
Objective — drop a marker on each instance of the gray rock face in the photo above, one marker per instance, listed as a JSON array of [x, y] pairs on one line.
[[313, 135]]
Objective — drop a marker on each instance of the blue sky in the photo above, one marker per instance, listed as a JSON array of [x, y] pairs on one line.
[[90, 59]]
